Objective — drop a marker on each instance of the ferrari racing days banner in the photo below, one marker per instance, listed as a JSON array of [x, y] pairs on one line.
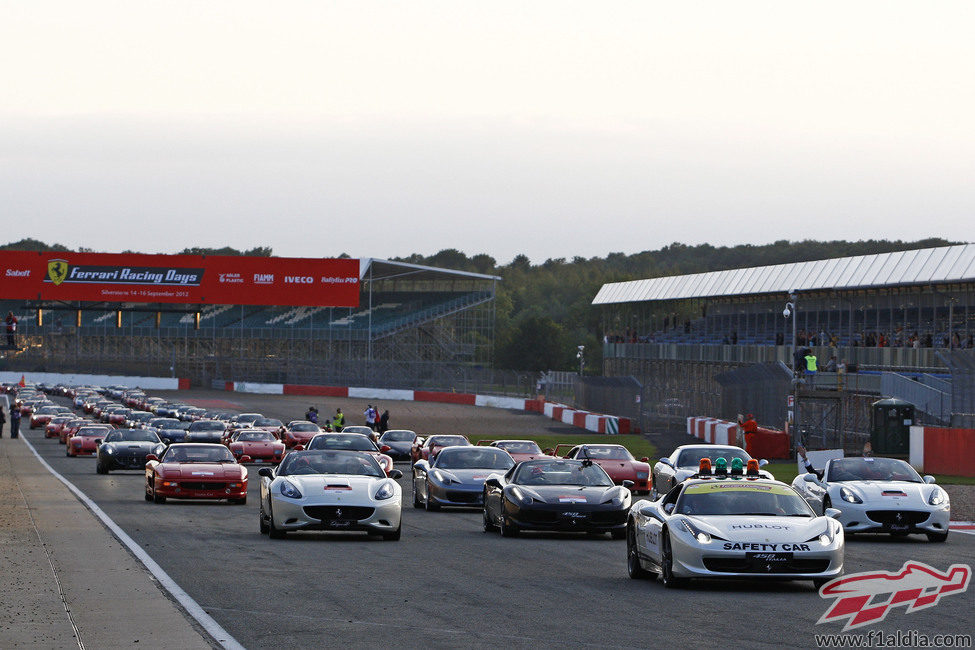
[[192, 279]]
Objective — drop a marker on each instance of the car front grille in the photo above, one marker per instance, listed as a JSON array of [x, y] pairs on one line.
[[897, 517], [200, 485], [752, 565], [462, 496], [348, 513]]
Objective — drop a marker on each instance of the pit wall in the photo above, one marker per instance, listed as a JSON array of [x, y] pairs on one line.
[[157, 383], [595, 422], [937, 450]]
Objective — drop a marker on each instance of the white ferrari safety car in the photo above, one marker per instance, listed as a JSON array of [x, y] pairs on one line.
[[732, 526], [330, 490], [878, 495]]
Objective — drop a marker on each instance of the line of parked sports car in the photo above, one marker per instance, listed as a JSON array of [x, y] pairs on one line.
[[713, 511]]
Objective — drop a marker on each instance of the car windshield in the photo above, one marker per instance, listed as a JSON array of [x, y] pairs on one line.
[[248, 417], [347, 441], [198, 454], [305, 427], [255, 436], [132, 435], [737, 498], [447, 441], [206, 425], [692, 457], [49, 410], [871, 469], [561, 472], [474, 458], [329, 462], [267, 422], [519, 446], [357, 429], [605, 452], [398, 436], [93, 431]]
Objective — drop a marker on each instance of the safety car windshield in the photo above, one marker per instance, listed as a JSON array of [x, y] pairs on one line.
[[692, 457], [742, 499]]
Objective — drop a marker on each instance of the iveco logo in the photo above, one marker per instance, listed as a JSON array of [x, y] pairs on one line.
[[298, 279], [263, 278]]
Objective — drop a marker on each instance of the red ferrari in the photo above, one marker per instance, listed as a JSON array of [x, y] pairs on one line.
[[429, 448], [260, 445], [520, 450], [196, 471], [618, 462], [70, 429], [85, 442], [298, 432], [53, 428]]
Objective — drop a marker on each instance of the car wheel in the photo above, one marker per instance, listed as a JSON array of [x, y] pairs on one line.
[[819, 582], [667, 577], [937, 537], [100, 468], [156, 498], [508, 529], [633, 567], [395, 535], [416, 498], [262, 524], [273, 531], [67, 451], [489, 526], [429, 503], [148, 495]]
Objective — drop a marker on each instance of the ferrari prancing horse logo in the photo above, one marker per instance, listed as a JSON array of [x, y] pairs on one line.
[[57, 270]]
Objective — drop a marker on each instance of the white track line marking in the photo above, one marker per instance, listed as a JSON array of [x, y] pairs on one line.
[[193, 608]]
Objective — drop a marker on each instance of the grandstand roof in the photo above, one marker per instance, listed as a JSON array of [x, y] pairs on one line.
[[940, 265], [377, 269]]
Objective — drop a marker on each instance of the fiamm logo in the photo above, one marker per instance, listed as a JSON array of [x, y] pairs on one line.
[[263, 278]]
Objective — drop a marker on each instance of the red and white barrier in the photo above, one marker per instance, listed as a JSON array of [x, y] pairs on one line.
[[594, 422], [713, 430], [938, 450]]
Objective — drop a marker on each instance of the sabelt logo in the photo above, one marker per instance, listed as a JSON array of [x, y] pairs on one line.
[[232, 278], [263, 278], [18, 273], [298, 279]]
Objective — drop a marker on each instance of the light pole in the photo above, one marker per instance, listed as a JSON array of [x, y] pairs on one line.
[[581, 356], [790, 310]]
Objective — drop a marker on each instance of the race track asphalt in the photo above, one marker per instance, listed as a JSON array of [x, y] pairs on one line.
[[449, 584]]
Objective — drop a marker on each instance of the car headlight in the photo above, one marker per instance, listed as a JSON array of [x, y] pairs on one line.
[[701, 536], [385, 492], [938, 497], [289, 490], [521, 496], [849, 496], [825, 539], [111, 450], [441, 477]]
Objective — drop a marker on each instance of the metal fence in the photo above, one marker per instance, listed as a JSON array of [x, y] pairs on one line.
[[962, 364], [933, 405], [620, 396], [759, 389]]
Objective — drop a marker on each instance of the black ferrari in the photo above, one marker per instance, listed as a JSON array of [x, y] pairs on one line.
[[127, 449], [556, 494]]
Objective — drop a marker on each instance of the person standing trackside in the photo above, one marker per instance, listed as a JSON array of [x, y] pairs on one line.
[[339, 420], [3, 420], [384, 422], [14, 422], [370, 414], [11, 329]]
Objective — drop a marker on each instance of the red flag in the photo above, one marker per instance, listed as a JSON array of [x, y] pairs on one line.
[[23, 381]]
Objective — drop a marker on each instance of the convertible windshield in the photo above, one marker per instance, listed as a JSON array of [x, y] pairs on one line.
[[346, 441], [447, 441], [132, 435], [267, 422], [398, 436], [206, 425], [872, 469], [329, 462], [198, 454], [692, 457], [605, 452], [727, 498], [519, 446], [306, 427], [473, 458], [561, 472]]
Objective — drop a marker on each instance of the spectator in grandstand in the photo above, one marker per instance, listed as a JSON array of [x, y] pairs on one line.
[[810, 360], [830, 364], [734, 337], [823, 337], [11, 330], [779, 338], [384, 422]]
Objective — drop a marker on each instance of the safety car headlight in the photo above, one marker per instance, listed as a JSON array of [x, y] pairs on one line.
[[938, 497], [850, 496], [698, 534], [289, 490], [825, 539], [384, 492]]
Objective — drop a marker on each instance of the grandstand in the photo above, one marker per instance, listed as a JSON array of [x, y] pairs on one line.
[[411, 320], [904, 321]]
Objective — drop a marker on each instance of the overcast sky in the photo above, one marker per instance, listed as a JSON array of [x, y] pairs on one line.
[[552, 129]]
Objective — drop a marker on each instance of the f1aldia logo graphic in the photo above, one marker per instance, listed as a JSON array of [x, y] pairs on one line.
[[866, 598]]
